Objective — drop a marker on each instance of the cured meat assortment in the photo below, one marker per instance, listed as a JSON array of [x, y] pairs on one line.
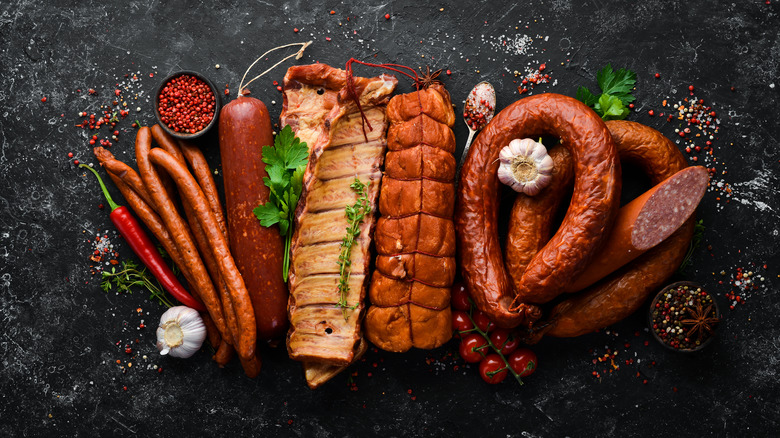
[[415, 236], [318, 106], [353, 170]]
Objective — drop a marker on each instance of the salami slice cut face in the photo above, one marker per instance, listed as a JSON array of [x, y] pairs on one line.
[[670, 205]]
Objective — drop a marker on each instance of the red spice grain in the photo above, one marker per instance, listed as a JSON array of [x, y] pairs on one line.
[[186, 104], [387, 16]]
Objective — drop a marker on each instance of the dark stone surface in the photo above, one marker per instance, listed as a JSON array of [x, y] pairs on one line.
[[61, 336]]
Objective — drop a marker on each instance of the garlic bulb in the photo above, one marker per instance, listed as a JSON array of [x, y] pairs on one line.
[[525, 166], [181, 332]]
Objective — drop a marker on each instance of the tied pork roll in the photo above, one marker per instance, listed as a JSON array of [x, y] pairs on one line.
[[415, 235]]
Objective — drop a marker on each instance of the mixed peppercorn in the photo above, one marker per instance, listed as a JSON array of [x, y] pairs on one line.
[[684, 317]]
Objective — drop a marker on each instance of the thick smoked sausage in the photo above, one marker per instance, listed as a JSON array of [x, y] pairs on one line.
[[594, 204], [623, 292], [244, 128]]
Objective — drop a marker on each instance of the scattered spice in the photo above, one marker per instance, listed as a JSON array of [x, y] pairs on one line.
[[743, 281], [531, 78]]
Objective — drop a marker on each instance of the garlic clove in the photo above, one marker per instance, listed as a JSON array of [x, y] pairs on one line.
[[525, 166]]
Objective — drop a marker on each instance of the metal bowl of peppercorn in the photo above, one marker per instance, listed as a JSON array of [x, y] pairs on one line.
[[684, 317], [186, 104]]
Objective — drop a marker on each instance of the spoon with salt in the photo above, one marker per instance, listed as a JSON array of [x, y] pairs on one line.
[[478, 110]]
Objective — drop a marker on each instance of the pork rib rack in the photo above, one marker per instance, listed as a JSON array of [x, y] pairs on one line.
[[319, 108]]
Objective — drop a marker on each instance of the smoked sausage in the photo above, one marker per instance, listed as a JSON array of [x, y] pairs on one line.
[[178, 229], [623, 292], [645, 222], [594, 204], [244, 128], [532, 216], [192, 194]]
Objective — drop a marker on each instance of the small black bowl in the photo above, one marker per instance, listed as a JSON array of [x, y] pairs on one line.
[[217, 105], [672, 286]]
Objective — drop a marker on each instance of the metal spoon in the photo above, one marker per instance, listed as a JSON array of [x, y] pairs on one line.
[[479, 109]]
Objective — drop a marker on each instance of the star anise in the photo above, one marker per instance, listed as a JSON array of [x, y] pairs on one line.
[[700, 321], [427, 78]]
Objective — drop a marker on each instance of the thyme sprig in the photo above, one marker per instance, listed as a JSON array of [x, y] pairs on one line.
[[355, 214], [130, 276]]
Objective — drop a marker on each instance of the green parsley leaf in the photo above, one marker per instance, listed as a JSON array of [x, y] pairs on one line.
[[611, 107], [288, 151], [267, 214], [285, 164], [616, 88], [278, 180], [617, 83], [585, 96], [296, 183]]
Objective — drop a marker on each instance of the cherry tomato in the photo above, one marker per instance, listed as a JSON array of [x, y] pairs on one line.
[[504, 340], [460, 297], [473, 348], [523, 361], [482, 321], [492, 369], [461, 321]]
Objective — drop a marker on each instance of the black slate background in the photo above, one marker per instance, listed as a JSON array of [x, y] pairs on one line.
[[59, 331]]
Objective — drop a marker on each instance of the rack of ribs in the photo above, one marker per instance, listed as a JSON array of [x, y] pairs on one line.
[[319, 108]]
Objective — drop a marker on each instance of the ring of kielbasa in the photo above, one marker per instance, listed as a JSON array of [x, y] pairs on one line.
[[622, 293], [593, 207]]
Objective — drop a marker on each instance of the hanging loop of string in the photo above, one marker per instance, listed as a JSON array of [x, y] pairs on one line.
[[353, 93], [297, 55]]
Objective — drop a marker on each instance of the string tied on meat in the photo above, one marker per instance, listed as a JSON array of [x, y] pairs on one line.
[[353, 93], [297, 55]]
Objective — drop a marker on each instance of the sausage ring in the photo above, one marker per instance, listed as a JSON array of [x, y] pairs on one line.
[[622, 293], [594, 204]]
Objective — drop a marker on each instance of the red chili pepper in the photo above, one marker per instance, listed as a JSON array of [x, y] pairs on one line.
[[130, 229]]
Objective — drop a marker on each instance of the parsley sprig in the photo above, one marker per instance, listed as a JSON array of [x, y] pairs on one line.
[[616, 88], [285, 164], [130, 276], [355, 214]]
